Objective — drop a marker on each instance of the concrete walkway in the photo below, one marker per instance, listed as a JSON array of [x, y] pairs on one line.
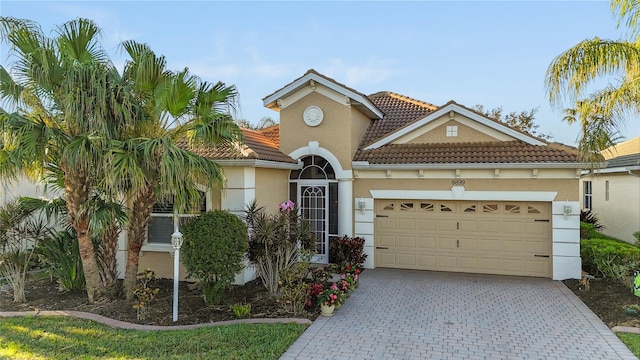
[[402, 314]]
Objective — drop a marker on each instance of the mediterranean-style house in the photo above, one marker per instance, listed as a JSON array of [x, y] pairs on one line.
[[428, 187], [612, 192]]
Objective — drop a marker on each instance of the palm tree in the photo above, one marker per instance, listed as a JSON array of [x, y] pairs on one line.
[[573, 72], [69, 102], [147, 164]]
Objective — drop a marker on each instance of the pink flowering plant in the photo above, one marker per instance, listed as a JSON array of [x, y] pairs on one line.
[[287, 206], [331, 296]]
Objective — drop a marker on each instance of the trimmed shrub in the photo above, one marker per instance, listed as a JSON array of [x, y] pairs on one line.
[[347, 251], [610, 258], [214, 246]]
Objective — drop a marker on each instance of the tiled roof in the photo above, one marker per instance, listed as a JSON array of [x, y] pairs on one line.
[[272, 133], [256, 146], [399, 111], [624, 160], [458, 153]]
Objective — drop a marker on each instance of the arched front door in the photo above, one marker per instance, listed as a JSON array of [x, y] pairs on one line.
[[315, 190]]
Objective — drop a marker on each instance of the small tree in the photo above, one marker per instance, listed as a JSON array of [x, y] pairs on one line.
[[275, 241], [214, 246], [19, 234]]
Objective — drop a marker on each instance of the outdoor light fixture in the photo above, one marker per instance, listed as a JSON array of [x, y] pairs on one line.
[[361, 205], [176, 242], [567, 210]]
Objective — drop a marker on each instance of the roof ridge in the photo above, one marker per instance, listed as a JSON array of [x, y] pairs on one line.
[[406, 98]]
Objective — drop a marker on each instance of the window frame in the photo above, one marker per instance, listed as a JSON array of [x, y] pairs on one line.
[[587, 195]]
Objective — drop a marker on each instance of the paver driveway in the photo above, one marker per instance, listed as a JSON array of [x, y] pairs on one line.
[[403, 314]]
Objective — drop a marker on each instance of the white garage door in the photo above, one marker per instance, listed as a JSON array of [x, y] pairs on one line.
[[490, 237]]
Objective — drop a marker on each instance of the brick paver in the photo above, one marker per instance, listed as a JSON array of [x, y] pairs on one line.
[[403, 314]]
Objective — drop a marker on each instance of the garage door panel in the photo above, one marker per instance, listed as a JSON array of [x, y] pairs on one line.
[[407, 260], [426, 224], [535, 267], [407, 225], [407, 242], [489, 264], [490, 226], [386, 223], [447, 225], [447, 243], [510, 226], [426, 243], [536, 228], [469, 225], [447, 262], [468, 262], [464, 236], [426, 261], [386, 240], [513, 265], [386, 259]]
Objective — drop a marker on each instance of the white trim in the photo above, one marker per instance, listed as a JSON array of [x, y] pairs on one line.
[[329, 84], [259, 164], [623, 169], [364, 165], [462, 111], [313, 148], [464, 195], [345, 207]]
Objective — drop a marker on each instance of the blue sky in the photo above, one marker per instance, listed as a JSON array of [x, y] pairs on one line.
[[489, 53]]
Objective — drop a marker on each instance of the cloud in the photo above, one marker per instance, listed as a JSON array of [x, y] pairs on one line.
[[368, 74]]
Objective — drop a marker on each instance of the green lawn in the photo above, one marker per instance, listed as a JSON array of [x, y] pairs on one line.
[[69, 338], [632, 341]]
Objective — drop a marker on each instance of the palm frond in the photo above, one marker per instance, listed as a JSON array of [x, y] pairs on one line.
[[572, 71]]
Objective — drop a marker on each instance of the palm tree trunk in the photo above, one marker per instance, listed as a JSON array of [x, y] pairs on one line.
[[108, 250], [136, 234], [76, 196]]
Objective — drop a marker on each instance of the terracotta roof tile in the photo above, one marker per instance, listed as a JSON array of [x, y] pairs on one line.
[[272, 133], [457, 153], [256, 146], [399, 111]]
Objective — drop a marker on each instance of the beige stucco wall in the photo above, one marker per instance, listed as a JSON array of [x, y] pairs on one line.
[[359, 124], [621, 213], [567, 188], [272, 187], [334, 133], [465, 134], [161, 263]]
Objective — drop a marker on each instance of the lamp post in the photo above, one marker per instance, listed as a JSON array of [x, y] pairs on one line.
[[176, 242]]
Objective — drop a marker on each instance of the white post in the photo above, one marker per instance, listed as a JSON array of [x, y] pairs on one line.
[[176, 241]]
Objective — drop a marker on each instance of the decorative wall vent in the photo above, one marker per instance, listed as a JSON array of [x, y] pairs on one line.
[[457, 182]]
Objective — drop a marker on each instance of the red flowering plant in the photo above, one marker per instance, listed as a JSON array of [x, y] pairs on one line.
[[331, 296], [315, 290]]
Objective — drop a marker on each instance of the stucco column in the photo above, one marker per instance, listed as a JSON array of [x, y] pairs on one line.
[[345, 207]]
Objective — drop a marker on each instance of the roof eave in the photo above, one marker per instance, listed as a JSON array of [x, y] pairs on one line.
[[365, 165], [462, 111], [259, 164], [362, 103]]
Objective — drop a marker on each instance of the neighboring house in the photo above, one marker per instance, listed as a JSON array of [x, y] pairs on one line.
[[429, 187], [612, 192]]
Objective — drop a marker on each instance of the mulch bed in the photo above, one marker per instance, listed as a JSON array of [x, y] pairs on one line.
[[607, 299], [44, 295]]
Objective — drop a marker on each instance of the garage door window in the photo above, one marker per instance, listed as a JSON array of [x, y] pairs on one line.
[[426, 206], [491, 208]]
